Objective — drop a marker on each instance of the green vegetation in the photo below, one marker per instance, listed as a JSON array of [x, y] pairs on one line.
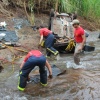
[[31, 7], [89, 9]]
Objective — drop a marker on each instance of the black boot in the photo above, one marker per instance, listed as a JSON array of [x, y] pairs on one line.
[[43, 77], [99, 36]]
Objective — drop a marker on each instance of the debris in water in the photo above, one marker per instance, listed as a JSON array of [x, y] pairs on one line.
[[35, 79], [62, 73], [55, 70]]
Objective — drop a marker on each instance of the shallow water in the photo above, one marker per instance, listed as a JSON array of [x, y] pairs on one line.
[[76, 84]]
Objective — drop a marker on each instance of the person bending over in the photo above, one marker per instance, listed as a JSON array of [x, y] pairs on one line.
[[32, 59], [49, 40]]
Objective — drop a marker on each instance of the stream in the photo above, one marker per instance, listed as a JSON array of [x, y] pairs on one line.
[[81, 83]]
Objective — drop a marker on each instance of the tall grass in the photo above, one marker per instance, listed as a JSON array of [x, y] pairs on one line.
[[88, 8]]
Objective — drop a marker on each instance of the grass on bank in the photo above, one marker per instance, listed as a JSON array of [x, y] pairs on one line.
[[89, 9]]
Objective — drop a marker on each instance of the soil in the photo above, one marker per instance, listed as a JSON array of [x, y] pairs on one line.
[[88, 24], [28, 38]]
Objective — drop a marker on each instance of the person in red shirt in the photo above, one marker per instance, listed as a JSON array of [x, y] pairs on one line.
[[32, 59], [49, 40], [79, 36]]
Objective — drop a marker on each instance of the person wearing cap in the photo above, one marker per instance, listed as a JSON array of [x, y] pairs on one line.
[[32, 59], [49, 40], [79, 36]]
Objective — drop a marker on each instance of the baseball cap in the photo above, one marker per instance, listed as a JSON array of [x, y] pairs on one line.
[[75, 21]]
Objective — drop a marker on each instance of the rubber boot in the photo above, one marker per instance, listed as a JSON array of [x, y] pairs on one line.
[[43, 77], [99, 36], [22, 83]]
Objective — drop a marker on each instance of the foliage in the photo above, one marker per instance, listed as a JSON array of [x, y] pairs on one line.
[[87, 8], [90, 9], [31, 7]]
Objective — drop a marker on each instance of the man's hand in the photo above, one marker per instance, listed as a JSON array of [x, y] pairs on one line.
[[80, 47], [28, 78], [50, 76]]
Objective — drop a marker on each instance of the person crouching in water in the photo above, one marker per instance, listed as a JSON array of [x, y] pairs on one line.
[[32, 59], [80, 39], [49, 40]]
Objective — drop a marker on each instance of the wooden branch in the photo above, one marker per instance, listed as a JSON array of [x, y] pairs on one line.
[[4, 11], [26, 11]]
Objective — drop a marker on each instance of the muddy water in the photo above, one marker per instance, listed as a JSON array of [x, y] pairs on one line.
[[76, 84]]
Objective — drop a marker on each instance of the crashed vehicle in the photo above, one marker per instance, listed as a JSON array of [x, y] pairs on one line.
[[62, 27]]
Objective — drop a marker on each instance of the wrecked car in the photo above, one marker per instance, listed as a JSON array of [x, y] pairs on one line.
[[62, 27]]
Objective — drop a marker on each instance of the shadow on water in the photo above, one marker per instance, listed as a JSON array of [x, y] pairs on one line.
[[1, 68], [76, 84]]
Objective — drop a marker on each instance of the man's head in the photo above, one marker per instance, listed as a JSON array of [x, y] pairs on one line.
[[75, 23], [39, 27]]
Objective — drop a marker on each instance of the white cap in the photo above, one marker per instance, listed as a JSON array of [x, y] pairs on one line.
[[75, 21]]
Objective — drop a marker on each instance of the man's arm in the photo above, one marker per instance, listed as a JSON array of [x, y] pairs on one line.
[[83, 42], [41, 38], [22, 64], [49, 69]]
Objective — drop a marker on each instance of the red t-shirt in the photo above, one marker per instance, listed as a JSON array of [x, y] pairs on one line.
[[44, 31], [78, 32], [35, 53]]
